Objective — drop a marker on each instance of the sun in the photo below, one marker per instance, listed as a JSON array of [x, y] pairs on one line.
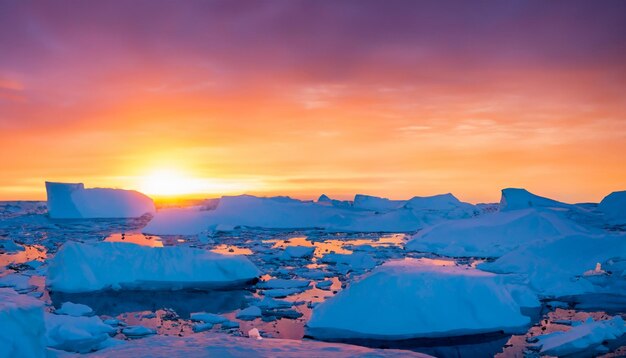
[[170, 182]]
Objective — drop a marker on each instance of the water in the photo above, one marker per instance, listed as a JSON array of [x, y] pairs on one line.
[[169, 312]]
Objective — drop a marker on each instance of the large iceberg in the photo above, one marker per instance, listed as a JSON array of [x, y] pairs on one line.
[[515, 199], [613, 206], [79, 267], [570, 266], [73, 201], [368, 214], [22, 326], [419, 298], [492, 235]]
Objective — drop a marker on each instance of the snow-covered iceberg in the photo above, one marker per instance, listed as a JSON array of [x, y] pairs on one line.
[[614, 207], [79, 267], [492, 235], [73, 201], [368, 214], [418, 298], [568, 266], [22, 326], [586, 337], [515, 199]]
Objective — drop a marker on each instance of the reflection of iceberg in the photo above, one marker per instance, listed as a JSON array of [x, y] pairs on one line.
[[73, 201]]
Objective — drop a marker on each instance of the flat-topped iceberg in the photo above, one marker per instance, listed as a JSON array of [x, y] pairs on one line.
[[613, 206], [79, 267], [420, 298], [22, 326], [492, 235], [515, 199], [367, 214], [73, 201], [569, 266]]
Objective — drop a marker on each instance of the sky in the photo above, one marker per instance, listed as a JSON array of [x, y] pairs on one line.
[[392, 98]]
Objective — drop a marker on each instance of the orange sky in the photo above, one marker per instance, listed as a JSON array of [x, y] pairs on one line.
[[247, 107]]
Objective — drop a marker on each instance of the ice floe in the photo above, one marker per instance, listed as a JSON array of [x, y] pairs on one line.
[[416, 298], [80, 267], [74, 309], [73, 201], [614, 207], [77, 334], [22, 326]]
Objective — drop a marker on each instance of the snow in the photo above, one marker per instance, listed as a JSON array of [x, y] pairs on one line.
[[614, 207], [584, 337], [492, 235], [80, 267], [74, 309], [368, 214], [208, 344], [73, 201], [515, 199], [22, 326], [419, 298], [556, 268], [77, 334]]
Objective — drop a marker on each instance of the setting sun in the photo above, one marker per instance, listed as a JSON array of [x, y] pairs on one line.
[[175, 183]]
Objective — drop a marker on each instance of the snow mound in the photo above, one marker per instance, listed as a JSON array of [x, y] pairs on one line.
[[584, 337], [492, 235], [73, 201], [22, 325], [221, 345], [515, 199], [420, 298], [614, 207], [557, 268], [79, 267], [77, 334]]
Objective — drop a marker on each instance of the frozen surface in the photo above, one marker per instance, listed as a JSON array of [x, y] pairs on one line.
[[614, 207], [77, 334], [585, 337], [21, 325], [207, 345], [493, 235], [73, 201], [557, 268], [81, 267], [412, 299]]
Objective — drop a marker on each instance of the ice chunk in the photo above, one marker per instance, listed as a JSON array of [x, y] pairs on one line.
[[19, 283], [79, 267], [73, 201], [254, 334], [74, 309], [492, 235], [515, 199], [249, 313], [22, 327], [208, 317], [77, 334], [179, 221], [201, 327], [354, 261], [282, 283], [556, 268], [138, 331], [422, 299], [614, 207], [292, 252], [582, 338], [9, 245]]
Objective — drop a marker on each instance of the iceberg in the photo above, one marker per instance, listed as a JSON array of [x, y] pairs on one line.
[[582, 338], [73, 201], [515, 199], [22, 326], [79, 267], [613, 206], [493, 234], [557, 268], [374, 203], [421, 298]]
